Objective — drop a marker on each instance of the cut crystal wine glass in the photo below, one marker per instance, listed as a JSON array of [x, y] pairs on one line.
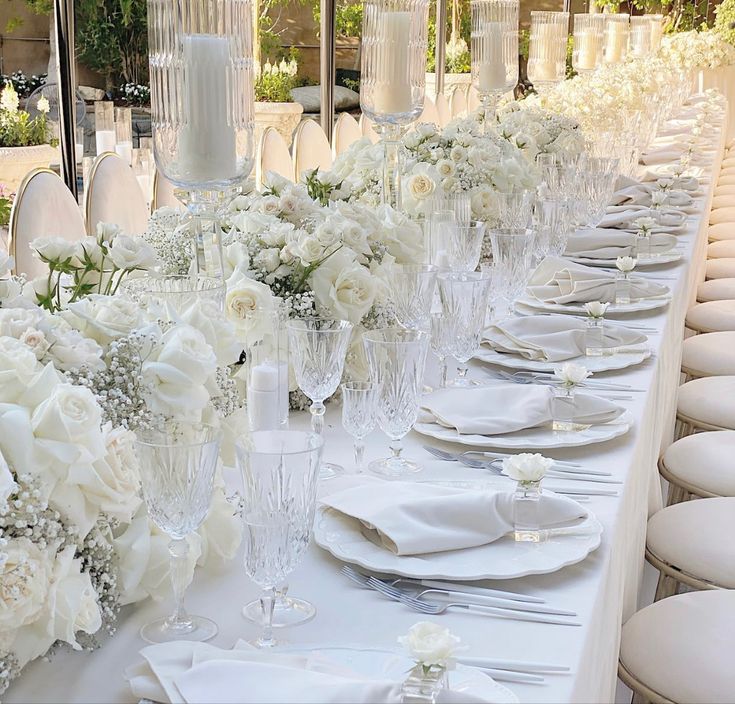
[[412, 292], [358, 415]]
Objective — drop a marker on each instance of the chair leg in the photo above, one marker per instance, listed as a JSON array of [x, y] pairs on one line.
[[666, 587], [638, 699], [676, 495]]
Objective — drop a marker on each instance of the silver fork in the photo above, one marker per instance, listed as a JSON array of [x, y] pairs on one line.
[[492, 466], [435, 608]]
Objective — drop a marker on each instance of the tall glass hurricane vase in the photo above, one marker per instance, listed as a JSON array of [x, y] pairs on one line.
[[588, 42], [617, 30], [547, 48], [202, 109], [396, 358], [393, 77], [494, 51], [177, 464]]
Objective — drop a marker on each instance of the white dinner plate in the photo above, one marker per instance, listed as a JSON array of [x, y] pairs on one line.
[[664, 258], [543, 438], [342, 536], [392, 665], [641, 305], [620, 360]]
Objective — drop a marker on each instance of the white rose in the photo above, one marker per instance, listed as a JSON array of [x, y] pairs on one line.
[[219, 333], [244, 297], [571, 374], [221, 531], [429, 644], [24, 580], [347, 289], [309, 249], [132, 253], [420, 186], [327, 234], [426, 129], [70, 350], [458, 154], [10, 289], [625, 264], [596, 309], [446, 168], [53, 249], [268, 259], [104, 318], [235, 257], [36, 341], [269, 205], [15, 321], [89, 250], [527, 467], [108, 231], [18, 367], [6, 264], [7, 483]]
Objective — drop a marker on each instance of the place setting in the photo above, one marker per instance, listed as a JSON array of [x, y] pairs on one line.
[[601, 247]]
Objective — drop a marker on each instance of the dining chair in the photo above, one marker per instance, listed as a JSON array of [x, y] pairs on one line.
[[113, 195], [43, 207], [273, 155], [711, 316], [722, 215], [458, 104], [346, 132], [716, 290], [164, 195], [708, 354], [473, 99], [443, 110], [706, 404], [680, 649], [721, 249], [720, 268], [311, 149], [430, 113], [721, 231]]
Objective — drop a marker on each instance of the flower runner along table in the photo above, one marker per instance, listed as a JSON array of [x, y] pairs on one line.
[[603, 589]]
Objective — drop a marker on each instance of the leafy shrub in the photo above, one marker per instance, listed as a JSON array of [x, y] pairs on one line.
[[17, 127]]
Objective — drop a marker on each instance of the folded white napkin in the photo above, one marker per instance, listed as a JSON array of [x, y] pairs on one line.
[[640, 194], [623, 216], [416, 519], [601, 243], [506, 408], [684, 183], [561, 281], [552, 338], [197, 673]]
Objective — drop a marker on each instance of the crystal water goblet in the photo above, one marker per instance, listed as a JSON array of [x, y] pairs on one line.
[[515, 209], [512, 249], [464, 297], [177, 465], [280, 471], [412, 293], [462, 245], [441, 343], [318, 350], [358, 415], [396, 358]]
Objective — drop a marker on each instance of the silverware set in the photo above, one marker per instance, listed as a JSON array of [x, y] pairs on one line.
[[547, 378]]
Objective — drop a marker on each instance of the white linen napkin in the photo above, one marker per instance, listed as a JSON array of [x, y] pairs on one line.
[[407, 518], [552, 338], [561, 281], [685, 183], [640, 194], [609, 244], [623, 216], [506, 408], [198, 673]]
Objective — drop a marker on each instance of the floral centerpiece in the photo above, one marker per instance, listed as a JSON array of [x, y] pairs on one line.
[[697, 50]]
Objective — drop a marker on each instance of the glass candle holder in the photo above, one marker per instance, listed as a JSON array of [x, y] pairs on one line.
[[547, 50], [616, 38], [657, 30], [104, 126], [622, 288], [594, 336], [202, 108], [640, 36], [124, 134], [588, 42], [393, 82], [526, 522], [494, 42]]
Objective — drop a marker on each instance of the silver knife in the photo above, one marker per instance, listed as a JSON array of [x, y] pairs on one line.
[[518, 665], [481, 600], [475, 591], [515, 615]]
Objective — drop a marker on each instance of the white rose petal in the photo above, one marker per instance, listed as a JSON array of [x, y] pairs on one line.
[[429, 644], [527, 467], [571, 374]]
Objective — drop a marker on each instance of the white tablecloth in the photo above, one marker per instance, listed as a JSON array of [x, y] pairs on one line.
[[602, 589]]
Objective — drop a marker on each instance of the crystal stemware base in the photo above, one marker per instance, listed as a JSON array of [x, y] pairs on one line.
[[287, 611], [329, 470], [394, 466], [163, 630]]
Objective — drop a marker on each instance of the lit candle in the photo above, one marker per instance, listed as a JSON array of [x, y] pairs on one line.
[[393, 82], [545, 38], [263, 397], [586, 44], [617, 42], [491, 70], [206, 150]]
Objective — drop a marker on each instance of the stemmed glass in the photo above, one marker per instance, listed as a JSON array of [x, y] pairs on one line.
[[319, 347], [464, 298], [514, 209], [280, 469], [396, 359], [441, 343], [460, 245], [177, 465], [412, 292], [358, 415], [435, 226], [512, 251]]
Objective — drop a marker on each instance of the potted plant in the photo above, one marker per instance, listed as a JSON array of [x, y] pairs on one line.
[[274, 106], [25, 141]]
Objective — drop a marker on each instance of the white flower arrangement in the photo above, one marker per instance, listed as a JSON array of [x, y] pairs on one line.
[[596, 309], [527, 467], [625, 264], [571, 374], [644, 225], [430, 645], [696, 50]]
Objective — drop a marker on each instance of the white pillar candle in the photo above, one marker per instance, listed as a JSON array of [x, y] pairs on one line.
[[263, 397], [491, 69], [104, 141], [545, 37], [393, 84], [206, 149], [586, 45], [617, 42]]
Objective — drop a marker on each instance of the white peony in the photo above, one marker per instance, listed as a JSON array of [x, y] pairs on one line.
[[596, 309], [244, 297], [128, 253], [527, 467], [429, 644], [571, 374]]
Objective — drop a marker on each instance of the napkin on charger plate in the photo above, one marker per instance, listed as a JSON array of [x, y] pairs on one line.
[[666, 155], [622, 217], [640, 194], [552, 338], [185, 672], [684, 183], [408, 518], [561, 281], [608, 243]]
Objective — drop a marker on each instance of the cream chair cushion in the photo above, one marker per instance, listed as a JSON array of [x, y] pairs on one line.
[[682, 647], [43, 207], [724, 190], [710, 400], [716, 290], [311, 148], [366, 125], [722, 215], [115, 196], [726, 200], [721, 231], [696, 538], [443, 110], [163, 193], [727, 169], [704, 460], [726, 180], [273, 155], [720, 268], [713, 316], [722, 249], [710, 354], [346, 132]]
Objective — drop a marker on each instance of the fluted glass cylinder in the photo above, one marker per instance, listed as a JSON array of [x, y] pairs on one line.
[[547, 51], [657, 30], [494, 51], [640, 36], [393, 76], [588, 42], [616, 38]]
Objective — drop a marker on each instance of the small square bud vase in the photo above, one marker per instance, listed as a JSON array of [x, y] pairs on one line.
[[423, 684], [622, 288], [526, 528], [563, 406], [594, 336], [643, 245]]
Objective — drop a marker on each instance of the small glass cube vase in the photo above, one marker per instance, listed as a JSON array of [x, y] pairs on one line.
[[643, 245], [622, 288], [423, 684], [563, 406], [526, 498], [594, 336]]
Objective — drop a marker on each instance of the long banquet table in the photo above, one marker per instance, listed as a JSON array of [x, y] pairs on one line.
[[603, 588]]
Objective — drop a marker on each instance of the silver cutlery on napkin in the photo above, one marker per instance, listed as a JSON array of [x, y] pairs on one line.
[[492, 466], [527, 377]]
